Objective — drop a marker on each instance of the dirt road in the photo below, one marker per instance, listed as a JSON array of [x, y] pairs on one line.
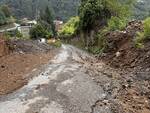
[[74, 82], [63, 86]]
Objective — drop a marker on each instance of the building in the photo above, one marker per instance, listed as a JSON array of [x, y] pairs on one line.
[[25, 26]]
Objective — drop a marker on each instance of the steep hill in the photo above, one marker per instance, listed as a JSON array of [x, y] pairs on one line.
[[142, 9], [62, 9]]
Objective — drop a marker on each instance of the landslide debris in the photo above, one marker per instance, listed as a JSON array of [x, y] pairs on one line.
[[121, 51], [19, 60], [124, 72]]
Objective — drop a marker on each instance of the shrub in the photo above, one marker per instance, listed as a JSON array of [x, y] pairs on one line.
[[57, 43], [142, 36], [116, 23], [2, 18], [147, 28], [139, 40], [70, 28], [18, 34], [38, 31]]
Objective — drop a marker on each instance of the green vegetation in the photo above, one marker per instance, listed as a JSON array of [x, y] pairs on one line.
[[96, 18], [62, 9], [5, 15], [18, 34], [45, 27], [70, 28], [38, 31], [141, 9], [116, 23], [142, 36], [47, 21], [15, 34], [57, 44], [92, 11], [147, 28], [108, 15]]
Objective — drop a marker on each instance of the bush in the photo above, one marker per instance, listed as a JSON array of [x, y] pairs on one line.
[[19, 34], [142, 36], [38, 31], [116, 23], [16, 34], [70, 28], [57, 43], [147, 28], [139, 40], [2, 18]]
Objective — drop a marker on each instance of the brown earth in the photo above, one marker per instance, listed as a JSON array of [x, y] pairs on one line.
[[121, 51], [4, 50], [127, 92], [133, 96], [15, 68]]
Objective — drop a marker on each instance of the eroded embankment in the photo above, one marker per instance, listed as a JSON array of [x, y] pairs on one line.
[[20, 58]]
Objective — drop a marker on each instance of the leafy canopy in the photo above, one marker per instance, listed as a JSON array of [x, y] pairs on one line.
[[5, 15], [91, 11], [142, 36], [45, 27], [70, 28], [47, 21], [38, 31]]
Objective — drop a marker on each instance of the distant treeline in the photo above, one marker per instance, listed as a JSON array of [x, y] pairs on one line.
[[62, 9], [5, 15]]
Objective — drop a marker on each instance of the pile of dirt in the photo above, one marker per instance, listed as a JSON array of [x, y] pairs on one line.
[[133, 95], [29, 46], [25, 59], [121, 51]]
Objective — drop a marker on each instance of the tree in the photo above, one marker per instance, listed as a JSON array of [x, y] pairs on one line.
[[95, 13], [38, 31], [6, 11], [62, 9], [47, 21], [2, 18], [70, 28], [91, 11]]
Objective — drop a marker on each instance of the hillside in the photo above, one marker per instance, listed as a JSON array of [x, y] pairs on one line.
[[62, 9], [142, 9]]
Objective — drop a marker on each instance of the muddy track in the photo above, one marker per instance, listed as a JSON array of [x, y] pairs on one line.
[[73, 82], [63, 86]]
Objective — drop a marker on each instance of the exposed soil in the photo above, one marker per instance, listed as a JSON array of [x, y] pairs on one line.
[[4, 50], [25, 57], [133, 68]]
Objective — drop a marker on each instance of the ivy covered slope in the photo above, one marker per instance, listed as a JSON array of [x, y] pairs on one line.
[[62, 9]]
